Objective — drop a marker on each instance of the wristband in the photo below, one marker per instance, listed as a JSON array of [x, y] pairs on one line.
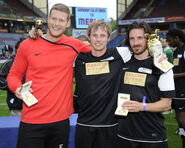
[[144, 103]]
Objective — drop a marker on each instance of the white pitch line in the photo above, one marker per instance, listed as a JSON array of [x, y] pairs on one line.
[[3, 95], [168, 123], [3, 104]]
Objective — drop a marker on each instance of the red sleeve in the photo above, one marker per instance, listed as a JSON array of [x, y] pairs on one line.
[[18, 69], [82, 47], [85, 48]]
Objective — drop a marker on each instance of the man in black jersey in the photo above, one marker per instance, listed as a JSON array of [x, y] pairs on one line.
[[176, 39], [150, 93], [97, 80]]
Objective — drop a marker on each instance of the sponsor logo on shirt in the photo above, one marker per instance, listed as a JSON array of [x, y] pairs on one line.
[[37, 54], [125, 68], [181, 108], [179, 56], [108, 59], [145, 70]]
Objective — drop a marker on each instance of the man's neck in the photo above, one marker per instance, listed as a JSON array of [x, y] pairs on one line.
[[142, 56], [180, 45], [97, 53], [51, 38], [166, 48]]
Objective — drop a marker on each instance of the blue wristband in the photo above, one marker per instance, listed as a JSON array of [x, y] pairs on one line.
[[144, 103]]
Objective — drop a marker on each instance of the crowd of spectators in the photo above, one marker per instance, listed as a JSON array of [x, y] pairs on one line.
[[7, 53]]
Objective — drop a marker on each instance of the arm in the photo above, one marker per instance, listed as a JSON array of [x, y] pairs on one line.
[[18, 69], [83, 47], [177, 75], [3, 75], [166, 87], [33, 33], [75, 95], [160, 106]]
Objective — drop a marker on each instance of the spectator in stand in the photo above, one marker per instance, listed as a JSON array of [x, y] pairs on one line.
[[14, 104], [167, 49], [176, 39], [3, 55], [10, 53], [84, 39]]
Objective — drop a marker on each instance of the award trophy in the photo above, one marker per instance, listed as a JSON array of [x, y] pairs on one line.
[[38, 25], [155, 49], [121, 99]]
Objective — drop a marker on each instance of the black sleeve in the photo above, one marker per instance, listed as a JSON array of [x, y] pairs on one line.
[[75, 95], [4, 70], [75, 103]]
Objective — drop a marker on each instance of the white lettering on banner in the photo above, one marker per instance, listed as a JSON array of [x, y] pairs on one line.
[[85, 21], [84, 16], [147, 20], [91, 10]]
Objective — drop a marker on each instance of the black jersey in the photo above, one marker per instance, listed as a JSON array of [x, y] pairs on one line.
[[179, 67], [141, 78], [97, 82]]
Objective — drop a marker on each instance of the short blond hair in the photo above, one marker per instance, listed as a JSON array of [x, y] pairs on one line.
[[99, 23], [60, 7]]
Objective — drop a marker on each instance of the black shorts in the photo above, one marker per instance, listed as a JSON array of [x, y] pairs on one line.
[[122, 143], [95, 137], [178, 104], [52, 135]]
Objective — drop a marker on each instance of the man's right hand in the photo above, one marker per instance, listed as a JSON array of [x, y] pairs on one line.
[[33, 33], [18, 93]]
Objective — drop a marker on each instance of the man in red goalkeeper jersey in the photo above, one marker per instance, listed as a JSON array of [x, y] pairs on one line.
[[48, 62]]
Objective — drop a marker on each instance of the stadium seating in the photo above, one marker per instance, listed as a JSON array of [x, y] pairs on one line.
[[9, 39], [160, 9], [117, 41], [17, 8]]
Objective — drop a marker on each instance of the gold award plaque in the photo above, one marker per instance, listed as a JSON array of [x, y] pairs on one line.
[[28, 98], [121, 99]]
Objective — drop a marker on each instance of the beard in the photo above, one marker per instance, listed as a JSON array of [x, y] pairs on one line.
[[138, 50]]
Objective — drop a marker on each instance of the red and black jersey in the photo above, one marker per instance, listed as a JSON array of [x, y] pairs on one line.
[[49, 65]]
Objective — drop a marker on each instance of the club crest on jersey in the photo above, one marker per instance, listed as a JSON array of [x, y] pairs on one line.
[[145, 70]]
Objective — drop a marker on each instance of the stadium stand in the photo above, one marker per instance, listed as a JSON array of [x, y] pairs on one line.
[[117, 41], [172, 11], [18, 8], [160, 8], [177, 9], [9, 39], [15, 20]]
